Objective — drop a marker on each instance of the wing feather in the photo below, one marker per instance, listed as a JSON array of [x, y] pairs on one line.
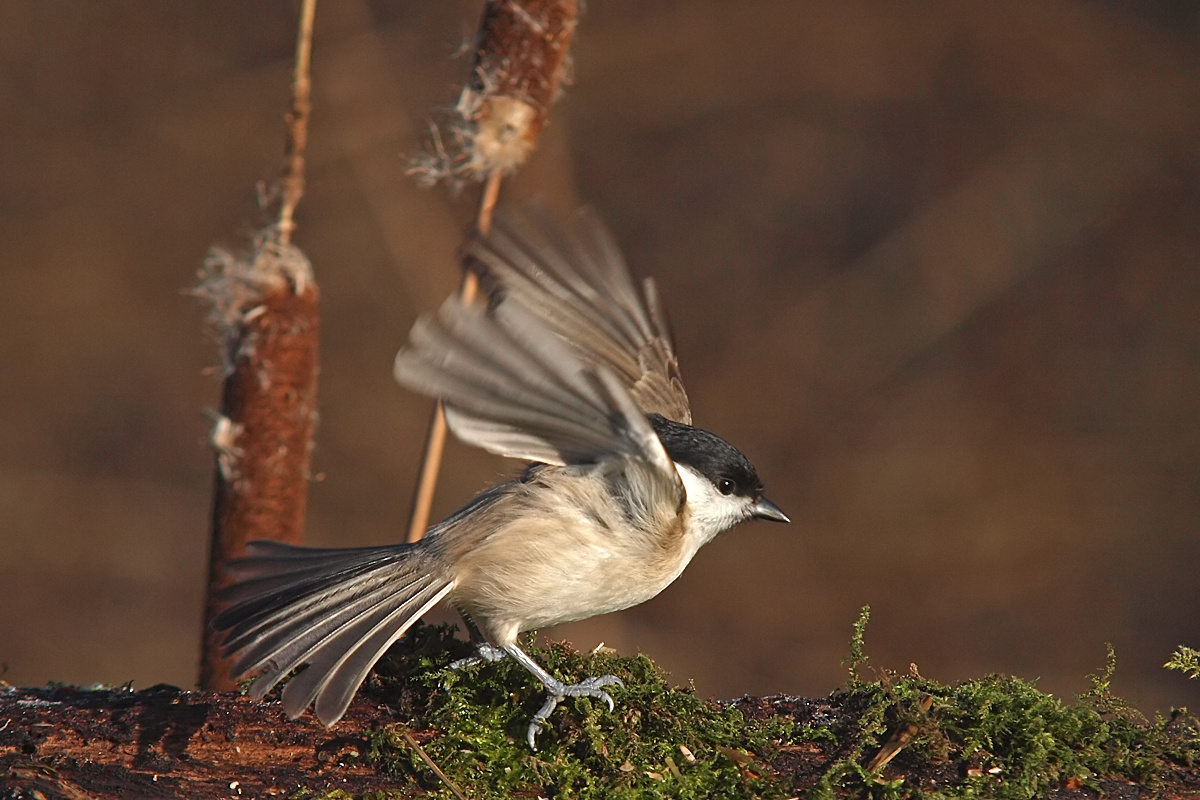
[[578, 286], [515, 388]]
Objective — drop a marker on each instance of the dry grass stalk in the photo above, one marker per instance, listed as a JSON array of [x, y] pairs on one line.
[[291, 182], [411, 741]]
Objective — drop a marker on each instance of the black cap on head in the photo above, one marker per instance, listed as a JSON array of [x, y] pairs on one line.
[[708, 454]]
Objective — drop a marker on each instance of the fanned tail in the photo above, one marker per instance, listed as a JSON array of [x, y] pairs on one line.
[[336, 609]]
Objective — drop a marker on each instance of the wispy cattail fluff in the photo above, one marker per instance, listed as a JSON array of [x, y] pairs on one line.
[[519, 60]]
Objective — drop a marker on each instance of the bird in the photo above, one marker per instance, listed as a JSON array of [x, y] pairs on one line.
[[561, 362]]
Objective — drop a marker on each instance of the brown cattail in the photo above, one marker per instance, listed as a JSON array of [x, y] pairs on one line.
[[264, 309], [519, 60]]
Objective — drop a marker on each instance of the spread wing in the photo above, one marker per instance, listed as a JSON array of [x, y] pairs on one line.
[[514, 388], [576, 285]]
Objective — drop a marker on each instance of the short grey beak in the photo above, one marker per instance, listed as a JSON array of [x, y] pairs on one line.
[[765, 509]]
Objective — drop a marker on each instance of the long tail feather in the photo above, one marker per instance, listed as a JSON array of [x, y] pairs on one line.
[[336, 609], [340, 667]]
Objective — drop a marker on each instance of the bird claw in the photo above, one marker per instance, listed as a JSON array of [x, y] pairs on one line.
[[591, 687], [558, 692]]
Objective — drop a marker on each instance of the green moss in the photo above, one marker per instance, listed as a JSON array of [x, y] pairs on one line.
[[857, 662], [660, 741], [992, 737], [1000, 737], [1185, 660]]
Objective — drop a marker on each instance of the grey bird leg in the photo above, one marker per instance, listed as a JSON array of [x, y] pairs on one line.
[[484, 653], [557, 691]]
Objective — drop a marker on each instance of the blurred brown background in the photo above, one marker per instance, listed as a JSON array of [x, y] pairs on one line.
[[933, 266]]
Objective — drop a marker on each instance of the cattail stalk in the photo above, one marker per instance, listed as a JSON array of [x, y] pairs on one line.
[[264, 307]]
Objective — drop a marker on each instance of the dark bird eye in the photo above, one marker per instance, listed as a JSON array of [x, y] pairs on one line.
[[725, 486]]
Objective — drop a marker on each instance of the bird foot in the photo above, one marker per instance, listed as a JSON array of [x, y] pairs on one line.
[[484, 654], [557, 691]]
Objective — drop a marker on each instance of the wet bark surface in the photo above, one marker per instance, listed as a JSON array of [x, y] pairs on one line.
[[164, 742]]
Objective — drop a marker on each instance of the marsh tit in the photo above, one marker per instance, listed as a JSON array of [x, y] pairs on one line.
[[564, 363]]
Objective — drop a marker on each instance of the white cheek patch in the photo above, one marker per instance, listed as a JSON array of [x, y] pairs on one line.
[[711, 512], [694, 483]]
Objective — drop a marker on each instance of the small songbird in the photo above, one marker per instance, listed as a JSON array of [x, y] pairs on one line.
[[561, 362]]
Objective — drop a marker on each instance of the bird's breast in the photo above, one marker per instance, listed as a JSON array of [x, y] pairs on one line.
[[562, 551]]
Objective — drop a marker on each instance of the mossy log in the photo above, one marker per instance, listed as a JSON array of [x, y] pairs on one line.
[[899, 736]]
